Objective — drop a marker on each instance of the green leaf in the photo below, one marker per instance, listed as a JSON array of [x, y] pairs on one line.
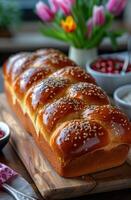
[[50, 32], [77, 12], [58, 17], [57, 32], [99, 33]]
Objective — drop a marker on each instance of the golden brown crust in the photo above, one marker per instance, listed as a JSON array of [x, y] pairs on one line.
[[113, 119], [58, 61], [24, 118], [76, 74], [53, 87], [67, 114], [61, 110], [90, 93], [96, 160], [14, 66], [28, 78], [44, 92], [78, 137]]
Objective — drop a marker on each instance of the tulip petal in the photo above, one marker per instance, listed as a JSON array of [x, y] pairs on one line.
[[54, 5], [116, 6], [65, 6], [98, 15], [89, 27], [44, 12]]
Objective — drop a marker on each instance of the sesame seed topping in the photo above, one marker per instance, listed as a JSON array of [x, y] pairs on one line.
[[52, 86], [87, 89], [75, 131]]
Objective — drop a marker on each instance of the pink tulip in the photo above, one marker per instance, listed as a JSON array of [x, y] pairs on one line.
[[71, 2], [89, 27], [65, 6], [98, 15], [116, 6], [44, 12], [54, 5]]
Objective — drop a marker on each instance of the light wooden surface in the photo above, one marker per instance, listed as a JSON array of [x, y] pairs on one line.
[[49, 183]]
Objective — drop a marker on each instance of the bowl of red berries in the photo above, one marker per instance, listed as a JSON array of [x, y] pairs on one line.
[[4, 134], [108, 72]]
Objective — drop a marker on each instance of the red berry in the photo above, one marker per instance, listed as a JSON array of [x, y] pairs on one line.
[[116, 71], [1, 134], [109, 65]]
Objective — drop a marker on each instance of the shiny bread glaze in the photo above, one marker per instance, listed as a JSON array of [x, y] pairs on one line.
[[113, 119], [53, 87], [59, 111], [18, 63], [60, 100], [28, 78], [77, 137], [89, 93], [44, 92], [93, 161], [76, 74], [58, 61], [15, 66]]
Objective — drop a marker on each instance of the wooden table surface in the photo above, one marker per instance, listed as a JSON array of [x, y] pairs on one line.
[[8, 156]]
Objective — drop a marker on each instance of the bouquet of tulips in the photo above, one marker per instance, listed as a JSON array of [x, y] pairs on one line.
[[81, 23]]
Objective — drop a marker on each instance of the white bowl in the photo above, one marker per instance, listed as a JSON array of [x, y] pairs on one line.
[[118, 95], [4, 140], [110, 82]]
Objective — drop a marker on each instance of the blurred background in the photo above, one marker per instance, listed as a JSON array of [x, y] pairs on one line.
[[19, 29]]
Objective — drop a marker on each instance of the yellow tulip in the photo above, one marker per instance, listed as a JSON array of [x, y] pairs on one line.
[[69, 25]]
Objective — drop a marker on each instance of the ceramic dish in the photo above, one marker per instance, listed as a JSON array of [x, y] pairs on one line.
[[110, 82], [118, 97], [4, 140]]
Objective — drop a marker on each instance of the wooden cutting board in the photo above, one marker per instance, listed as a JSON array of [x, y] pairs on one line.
[[49, 183]]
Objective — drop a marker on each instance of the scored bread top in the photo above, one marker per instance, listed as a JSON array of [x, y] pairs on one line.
[[65, 104]]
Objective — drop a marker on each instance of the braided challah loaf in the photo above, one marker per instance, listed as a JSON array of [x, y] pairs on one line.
[[68, 115]]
